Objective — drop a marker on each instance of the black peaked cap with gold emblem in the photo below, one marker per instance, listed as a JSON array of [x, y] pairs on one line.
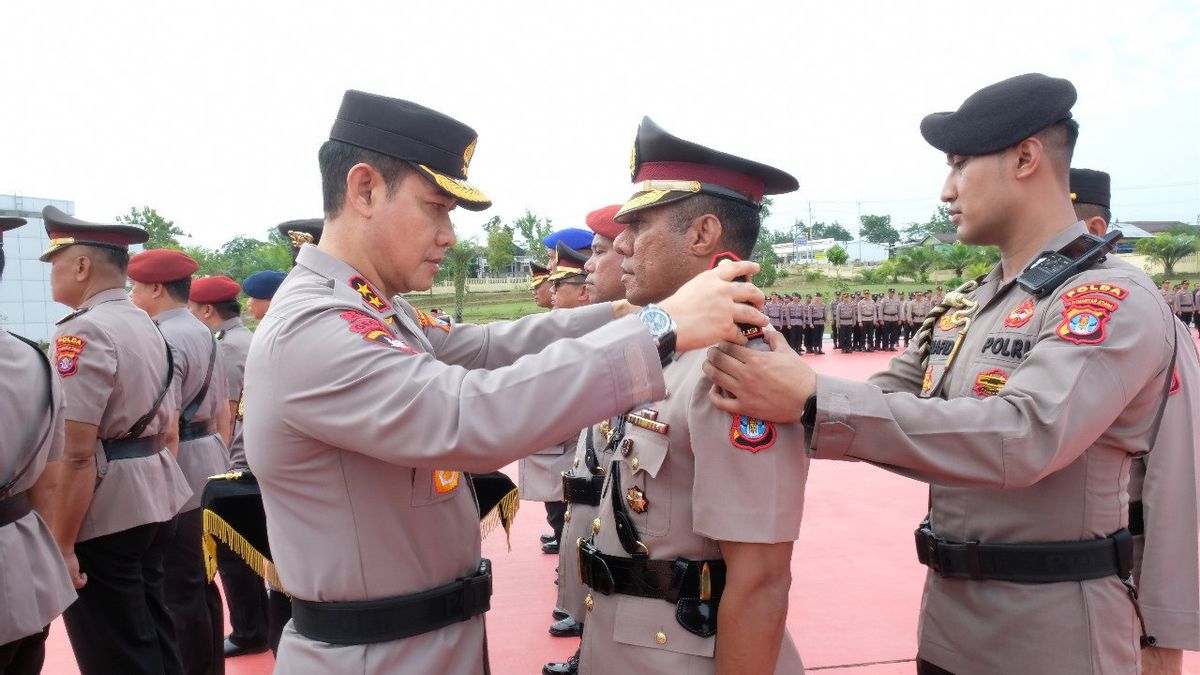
[[65, 231], [9, 223], [1089, 186], [438, 146], [1000, 115], [538, 275], [301, 232], [570, 261], [666, 169]]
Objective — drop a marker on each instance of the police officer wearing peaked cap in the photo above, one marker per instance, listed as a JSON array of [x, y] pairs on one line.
[[34, 584], [1006, 407], [348, 388], [120, 484]]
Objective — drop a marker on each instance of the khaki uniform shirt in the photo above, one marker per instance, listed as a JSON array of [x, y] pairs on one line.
[[34, 585], [816, 313], [699, 489], [360, 414], [1027, 438], [192, 345], [578, 525], [1185, 301], [798, 314], [865, 311], [539, 476], [234, 338], [906, 311], [889, 309], [1168, 297], [1167, 481], [846, 313], [772, 310], [113, 363]]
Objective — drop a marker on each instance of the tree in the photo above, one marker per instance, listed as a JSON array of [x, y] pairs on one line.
[[888, 269], [915, 262], [837, 256], [832, 231], [956, 256], [459, 259], [764, 255], [879, 230], [1167, 249], [533, 230], [939, 222], [499, 245], [163, 233]]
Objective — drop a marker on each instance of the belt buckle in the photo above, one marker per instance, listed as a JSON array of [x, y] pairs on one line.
[[590, 563], [928, 551]]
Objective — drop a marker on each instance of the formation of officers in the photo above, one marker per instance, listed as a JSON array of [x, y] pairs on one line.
[[1061, 536]]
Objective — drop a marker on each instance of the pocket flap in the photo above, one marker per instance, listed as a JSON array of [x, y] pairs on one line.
[[650, 622]]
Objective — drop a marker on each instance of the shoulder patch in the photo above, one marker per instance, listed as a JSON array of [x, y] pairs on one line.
[[1087, 311], [1093, 289], [373, 330], [427, 321], [1020, 315], [369, 296], [751, 433], [67, 349]]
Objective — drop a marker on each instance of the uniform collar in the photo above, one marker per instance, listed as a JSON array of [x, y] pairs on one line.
[[227, 324], [169, 314], [110, 295], [347, 283], [1055, 242]]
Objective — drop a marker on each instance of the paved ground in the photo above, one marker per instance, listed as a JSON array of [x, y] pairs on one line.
[[854, 598]]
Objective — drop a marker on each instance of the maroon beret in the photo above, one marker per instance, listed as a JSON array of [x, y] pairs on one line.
[[211, 290], [601, 222], [161, 265]]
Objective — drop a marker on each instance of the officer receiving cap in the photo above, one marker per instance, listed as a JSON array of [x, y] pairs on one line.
[[539, 273], [65, 231], [1089, 186], [161, 265], [9, 223], [570, 261], [211, 290], [666, 169], [573, 237], [601, 221], [438, 146], [262, 285], [1000, 115]]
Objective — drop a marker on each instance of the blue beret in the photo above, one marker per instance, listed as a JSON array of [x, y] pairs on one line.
[[572, 237], [1001, 115], [262, 285]]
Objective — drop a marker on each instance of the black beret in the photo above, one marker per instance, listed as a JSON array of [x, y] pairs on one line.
[[1090, 187], [65, 230], [438, 146], [1000, 115]]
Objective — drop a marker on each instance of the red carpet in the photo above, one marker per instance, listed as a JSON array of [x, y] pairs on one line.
[[856, 582]]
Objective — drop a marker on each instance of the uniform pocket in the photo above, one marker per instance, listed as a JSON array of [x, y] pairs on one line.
[[647, 491], [650, 623]]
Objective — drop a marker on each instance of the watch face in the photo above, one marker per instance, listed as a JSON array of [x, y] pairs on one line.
[[656, 320]]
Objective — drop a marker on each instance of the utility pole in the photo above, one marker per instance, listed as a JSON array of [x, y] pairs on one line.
[[810, 231], [859, 204]]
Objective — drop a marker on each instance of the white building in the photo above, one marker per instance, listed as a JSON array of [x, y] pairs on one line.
[[25, 305], [813, 251]]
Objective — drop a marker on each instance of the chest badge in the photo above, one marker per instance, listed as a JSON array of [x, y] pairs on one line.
[[1020, 315], [751, 433], [927, 381], [990, 382], [636, 499], [445, 481]]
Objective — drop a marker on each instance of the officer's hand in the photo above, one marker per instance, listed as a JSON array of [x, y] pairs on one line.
[[772, 385], [707, 309], [78, 579]]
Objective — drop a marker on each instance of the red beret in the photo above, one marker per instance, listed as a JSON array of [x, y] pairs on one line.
[[161, 265], [601, 221], [211, 290]]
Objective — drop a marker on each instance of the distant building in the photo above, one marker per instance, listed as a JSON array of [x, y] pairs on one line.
[[25, 304], [1155, 226], [814, 250]]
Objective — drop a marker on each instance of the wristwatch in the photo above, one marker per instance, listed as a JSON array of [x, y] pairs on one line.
[[809, 417], [662, 329]]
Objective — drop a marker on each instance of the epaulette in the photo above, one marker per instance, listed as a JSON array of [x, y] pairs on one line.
[[72, 315]]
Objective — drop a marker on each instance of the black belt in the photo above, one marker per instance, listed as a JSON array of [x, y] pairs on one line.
[[194, 430], [1137, 520], [132, 448], [14, 508], [664, 579], [582, 489], [1027, 563], [361, 622]]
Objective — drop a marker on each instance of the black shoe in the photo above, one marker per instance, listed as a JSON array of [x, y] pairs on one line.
[[559, 614], [569, 668], [232, 649], [568, 627], [550, 547], [547, 538]]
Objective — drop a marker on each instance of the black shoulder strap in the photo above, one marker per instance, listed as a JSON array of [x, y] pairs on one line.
[[139, 426], [189, 411], [8, 485], [1162, 405]]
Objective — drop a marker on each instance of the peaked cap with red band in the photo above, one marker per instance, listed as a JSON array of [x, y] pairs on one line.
[[601, 222], [211, 290], [9, 223], [570, 262], [65, 231], [161, 265], [667, 169]]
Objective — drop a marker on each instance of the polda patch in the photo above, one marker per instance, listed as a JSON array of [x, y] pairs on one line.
[[1083, 325], [1111, 290], [369, 296], [1020, 315], [373, 330], [990, 382], [67, 350], [751, 433]]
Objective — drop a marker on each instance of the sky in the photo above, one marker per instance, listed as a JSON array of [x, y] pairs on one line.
[[212, 112]]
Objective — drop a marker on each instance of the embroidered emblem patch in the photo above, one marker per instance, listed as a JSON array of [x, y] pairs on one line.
[[373, 330], [1176, 384], [427, 321], [751, 433], [990, 382], [1092, 289], [369, 296], [946, 322], [66, 354], [927, 381], [1083, 325], [1021, 315], [445, 481]]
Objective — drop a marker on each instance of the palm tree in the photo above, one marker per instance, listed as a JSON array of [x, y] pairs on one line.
[[1167, 249], [957, 256], [916, 262], [458, 258]]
